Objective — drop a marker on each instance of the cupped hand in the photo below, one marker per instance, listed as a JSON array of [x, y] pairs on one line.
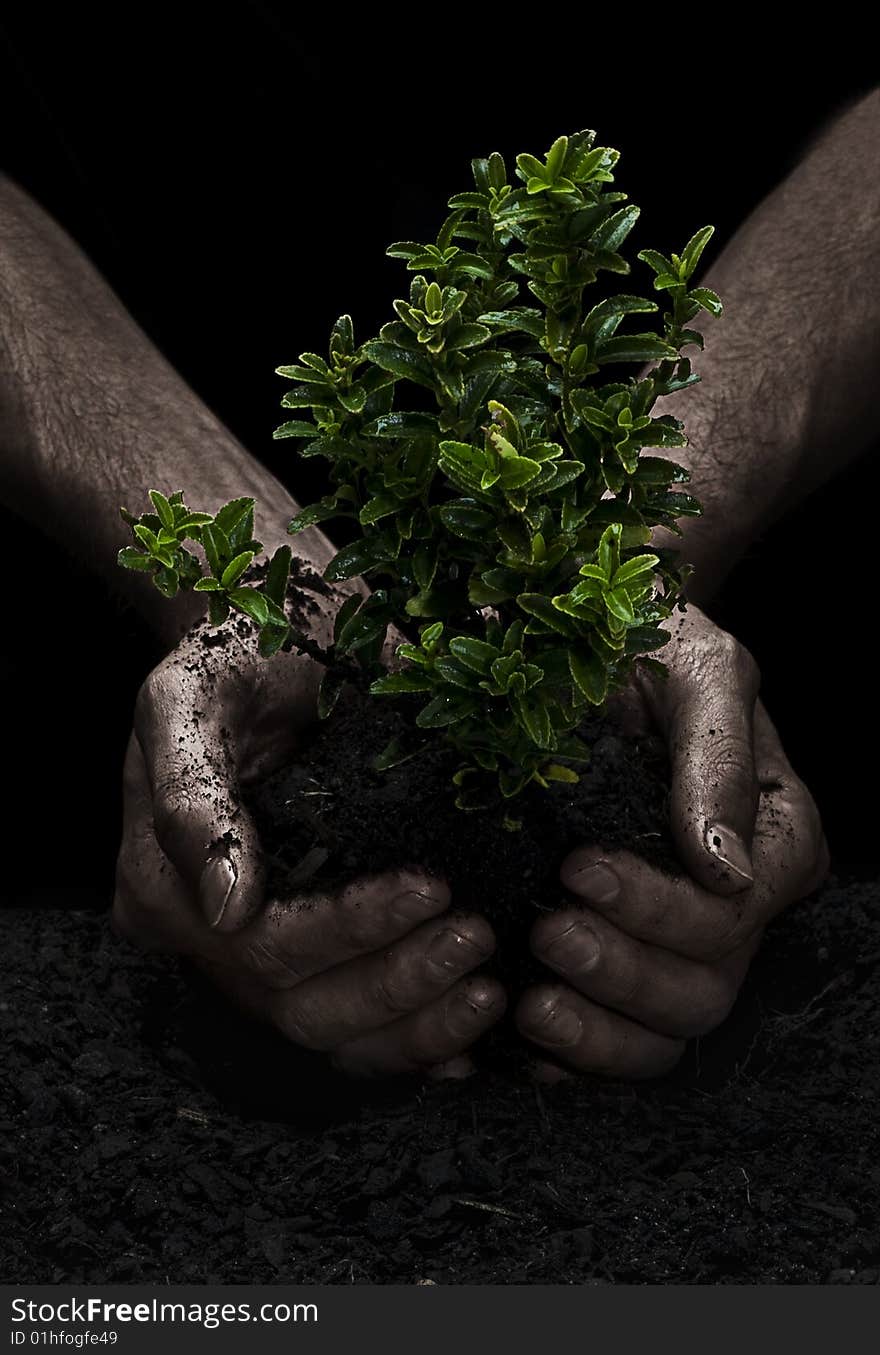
[[379, 975], [647, 960]]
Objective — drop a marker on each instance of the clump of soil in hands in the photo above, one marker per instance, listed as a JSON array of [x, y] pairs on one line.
[[331, 816]]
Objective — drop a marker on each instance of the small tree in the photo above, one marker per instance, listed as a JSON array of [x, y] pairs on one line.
[[495, 476]]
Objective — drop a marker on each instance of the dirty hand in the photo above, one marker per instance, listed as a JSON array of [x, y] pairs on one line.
[[647, 960], [376, 974]]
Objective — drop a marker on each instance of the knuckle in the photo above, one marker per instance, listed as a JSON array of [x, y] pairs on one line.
[[395, 986], [270, 961], [744, 665], [657, 910], [172, 805], [717, 651], [297, 1025], [364, 922], [735, 928]]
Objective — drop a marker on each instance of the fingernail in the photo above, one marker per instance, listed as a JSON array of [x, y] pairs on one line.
[[451, 953], [730, 850], [559, 1025], [597, 883], [466, 1011], [215, 886], [574, 950], [416, 906]]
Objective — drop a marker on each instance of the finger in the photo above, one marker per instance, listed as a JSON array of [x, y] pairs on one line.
[[706, 710], [657, 988], [437, 1034], [365, 994], [592, 1039], [200, 823], [152, 905], [789, 835], [678, 914], [293, 940]]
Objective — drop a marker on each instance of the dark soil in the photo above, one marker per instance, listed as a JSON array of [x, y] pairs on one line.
[[331, 816], [150, 1134]]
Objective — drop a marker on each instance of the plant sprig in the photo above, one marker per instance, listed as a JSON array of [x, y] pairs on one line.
[[498, 468]]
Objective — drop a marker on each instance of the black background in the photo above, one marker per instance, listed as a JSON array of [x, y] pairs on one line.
[[236, 173]]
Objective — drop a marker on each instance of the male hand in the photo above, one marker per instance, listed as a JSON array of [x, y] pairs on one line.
[[647, 960], [379, 975]]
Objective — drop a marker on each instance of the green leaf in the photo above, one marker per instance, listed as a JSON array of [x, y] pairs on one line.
[[658, 262], [232, 514], [528, 320], [589, 674], [517, 471], [618, 603], [474, 654], [329, 692], [534, 719], [556, 772], [424, 564], [556, 158], [218, 610], [465, 519], [129, 558], [361, 630], [234, 570], [642, 639], [295, 428], [400, 423], [467, 336], [271, 640], [275, 586], [709, 300], [445, 710], [612, 233], [309, 517], [252, 603], [345, 613], [608, 552], [473, 265], [207, 584], [634, 348], [656, 470], [636, 570], [379, 507], [148, 537], [539, 606], [352, 560], [400, 362], [399, 684], [167, 582], [480, 201], [451, 671], [690, 255], [216, 547], [163, 508]]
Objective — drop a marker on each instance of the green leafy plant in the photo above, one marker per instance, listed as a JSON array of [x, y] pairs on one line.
[[489, 450]]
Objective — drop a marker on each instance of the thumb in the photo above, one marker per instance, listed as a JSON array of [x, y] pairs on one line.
[[200, 823], [707, 713]]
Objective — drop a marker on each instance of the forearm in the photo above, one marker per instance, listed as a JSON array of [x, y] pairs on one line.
[[790, 385], [92, 416]]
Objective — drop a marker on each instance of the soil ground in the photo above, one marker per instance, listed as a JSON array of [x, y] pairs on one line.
[[151, 1134]]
